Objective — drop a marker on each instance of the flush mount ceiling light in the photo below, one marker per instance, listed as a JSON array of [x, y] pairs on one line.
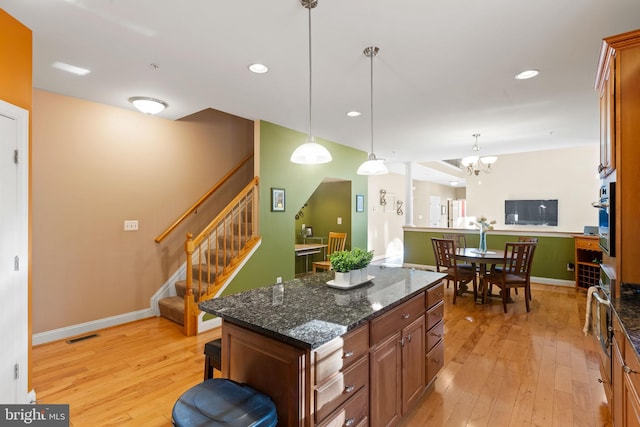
[[258, 68], [527, 74], [354, 113], [148, 105], [310, 153], [373, 166], [476, 164]]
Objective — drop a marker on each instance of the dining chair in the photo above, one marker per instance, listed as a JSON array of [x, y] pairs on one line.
[[523, 239], [335, 243], [515, 272], [445, 253], [460, 241]]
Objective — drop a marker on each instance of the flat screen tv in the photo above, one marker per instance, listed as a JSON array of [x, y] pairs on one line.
[[531, 212]]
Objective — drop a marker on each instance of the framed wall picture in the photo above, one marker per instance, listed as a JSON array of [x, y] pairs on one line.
[[277, 200], [359, 203]]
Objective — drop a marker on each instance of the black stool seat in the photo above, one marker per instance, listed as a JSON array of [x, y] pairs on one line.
[[213, 358], [222, 402]]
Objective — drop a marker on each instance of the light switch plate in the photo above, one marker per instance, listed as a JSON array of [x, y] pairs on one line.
[[130, 225]]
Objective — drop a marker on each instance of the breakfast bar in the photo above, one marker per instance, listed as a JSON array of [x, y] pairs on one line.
[[356, 357]]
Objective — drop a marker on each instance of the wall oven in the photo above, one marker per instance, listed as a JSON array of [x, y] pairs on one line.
[[606, 205], [601, 316]]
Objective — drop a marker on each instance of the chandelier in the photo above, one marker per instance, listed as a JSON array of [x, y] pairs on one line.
[[476, 164]]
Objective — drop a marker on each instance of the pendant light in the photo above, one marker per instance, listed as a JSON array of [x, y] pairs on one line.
[[310, 153], [373, 166]]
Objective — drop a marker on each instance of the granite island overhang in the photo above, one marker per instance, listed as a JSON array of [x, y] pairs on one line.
[[325, 356], [307, 313]]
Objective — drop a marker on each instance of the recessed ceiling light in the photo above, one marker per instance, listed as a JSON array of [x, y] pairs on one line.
[[354, 113], [453, 182], [258, 68], [527, 74], [79, 71]]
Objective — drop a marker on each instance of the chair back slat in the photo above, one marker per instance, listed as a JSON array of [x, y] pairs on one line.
[[445, 251], [336, 242], [518, 258], [460, 240]]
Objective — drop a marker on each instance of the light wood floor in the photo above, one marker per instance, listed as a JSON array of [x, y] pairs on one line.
[[529, 369]]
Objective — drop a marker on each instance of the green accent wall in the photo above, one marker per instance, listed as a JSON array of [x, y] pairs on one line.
[[302, 183], [549, 261]]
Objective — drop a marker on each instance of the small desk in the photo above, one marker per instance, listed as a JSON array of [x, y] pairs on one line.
[[472, 256], [306, 249]]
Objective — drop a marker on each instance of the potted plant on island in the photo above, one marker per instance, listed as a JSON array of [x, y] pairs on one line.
[[350, 266]]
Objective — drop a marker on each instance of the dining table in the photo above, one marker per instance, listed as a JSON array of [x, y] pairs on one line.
[[476, 257]]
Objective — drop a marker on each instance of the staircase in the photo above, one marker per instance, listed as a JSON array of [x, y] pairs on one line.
[[212, 256]]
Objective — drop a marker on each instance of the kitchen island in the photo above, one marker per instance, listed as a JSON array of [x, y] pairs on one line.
[[336, 357]]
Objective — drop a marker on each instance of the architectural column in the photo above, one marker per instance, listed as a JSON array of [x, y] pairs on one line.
[[408, 195]]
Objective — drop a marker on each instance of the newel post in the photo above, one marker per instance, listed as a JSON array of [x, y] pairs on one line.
[[189, 302]]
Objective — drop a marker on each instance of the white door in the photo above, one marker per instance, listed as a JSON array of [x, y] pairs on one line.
[[14, 309]]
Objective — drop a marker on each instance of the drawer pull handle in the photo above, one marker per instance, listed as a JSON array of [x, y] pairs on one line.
[[349, 388], [628, 370], [435, 335], [348, 354], [402, 342], [440, 295], [409, 337], [406, 316], [349, 422]]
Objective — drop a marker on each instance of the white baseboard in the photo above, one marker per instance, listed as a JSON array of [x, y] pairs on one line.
[[84, 328], [540, 280]]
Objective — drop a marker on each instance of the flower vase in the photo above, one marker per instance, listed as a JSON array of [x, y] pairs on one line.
[[482, 247]]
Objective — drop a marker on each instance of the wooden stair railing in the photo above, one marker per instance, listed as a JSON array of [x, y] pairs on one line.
[[202, 199], [213, 255]]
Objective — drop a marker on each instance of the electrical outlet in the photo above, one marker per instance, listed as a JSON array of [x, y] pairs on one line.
[[130, 225], [278, 279], [339, 220], [570, 267]]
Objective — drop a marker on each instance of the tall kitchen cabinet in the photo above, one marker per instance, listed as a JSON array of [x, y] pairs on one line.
[[618, 83]]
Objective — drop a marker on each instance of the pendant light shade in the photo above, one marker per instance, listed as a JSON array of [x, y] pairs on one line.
[[310, 153], [373, 166]]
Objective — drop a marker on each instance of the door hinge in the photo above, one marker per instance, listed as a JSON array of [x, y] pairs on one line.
[[15, 156], [16, 263], [16, 371]]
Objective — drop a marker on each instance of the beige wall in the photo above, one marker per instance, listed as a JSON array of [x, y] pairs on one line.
[[568, 175], [95, 166], [384, 234], [421, 195]]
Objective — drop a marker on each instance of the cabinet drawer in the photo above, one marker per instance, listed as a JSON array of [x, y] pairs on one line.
[[434, 335], [435, 294], [587, 244], [435, 315], [339, 388], [353, 413], [340, 353], [435, 361], [397, 318], [631, 360]]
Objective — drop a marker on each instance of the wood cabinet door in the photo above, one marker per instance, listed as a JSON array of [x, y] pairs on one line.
[[607, 120], [385, 382], [617, 385], [631, 405], [413, 362]]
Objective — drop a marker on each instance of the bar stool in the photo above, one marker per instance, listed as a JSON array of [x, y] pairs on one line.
[[212, 358], [223, 402]]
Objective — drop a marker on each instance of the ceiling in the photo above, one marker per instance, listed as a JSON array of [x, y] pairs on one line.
[[445, 69]]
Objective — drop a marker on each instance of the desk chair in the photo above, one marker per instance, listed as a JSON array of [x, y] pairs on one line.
[[445, 252], [335, 243], [516, 272]]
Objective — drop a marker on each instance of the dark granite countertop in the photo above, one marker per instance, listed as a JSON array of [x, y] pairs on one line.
[[627, 308], [307, 313]]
